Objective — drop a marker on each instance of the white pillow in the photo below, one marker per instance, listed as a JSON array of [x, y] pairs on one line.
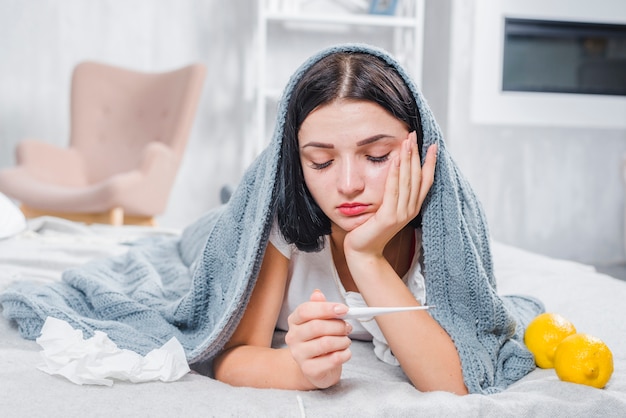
[[12, 220]]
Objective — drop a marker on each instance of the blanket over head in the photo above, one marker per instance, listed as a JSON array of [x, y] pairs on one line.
[[196, 286]]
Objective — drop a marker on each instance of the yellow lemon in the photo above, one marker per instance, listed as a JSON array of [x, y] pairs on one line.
[[543, 334], [584, 359]]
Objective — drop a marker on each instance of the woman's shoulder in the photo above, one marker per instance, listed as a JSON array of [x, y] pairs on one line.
[[279, 242]]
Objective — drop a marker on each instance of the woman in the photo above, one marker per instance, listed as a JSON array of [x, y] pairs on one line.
[[352, 183], [351, 188], [337, 211]]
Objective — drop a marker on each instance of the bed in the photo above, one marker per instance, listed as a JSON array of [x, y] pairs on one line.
[[594, 302]]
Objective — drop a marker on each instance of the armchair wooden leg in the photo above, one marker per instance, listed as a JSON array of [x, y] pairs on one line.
[[140, 220], [116, 216], [113, 216]]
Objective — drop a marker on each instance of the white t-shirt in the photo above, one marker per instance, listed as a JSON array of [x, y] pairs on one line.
[[316, 270]]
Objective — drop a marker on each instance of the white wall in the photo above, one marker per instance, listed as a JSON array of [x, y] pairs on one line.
[[42, 40], [556, 190], [553, 190]]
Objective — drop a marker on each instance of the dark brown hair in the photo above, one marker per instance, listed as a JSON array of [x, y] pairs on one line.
[[343, 75]]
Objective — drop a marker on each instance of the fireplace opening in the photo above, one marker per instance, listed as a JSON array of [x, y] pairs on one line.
[[564, 57]]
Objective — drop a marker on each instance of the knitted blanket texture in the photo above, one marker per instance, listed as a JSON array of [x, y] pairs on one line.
[[196, 286]]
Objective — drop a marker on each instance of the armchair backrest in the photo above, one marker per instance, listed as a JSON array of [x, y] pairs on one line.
[[116, 113]]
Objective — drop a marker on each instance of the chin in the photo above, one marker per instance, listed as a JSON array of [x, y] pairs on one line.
[[349, 224]]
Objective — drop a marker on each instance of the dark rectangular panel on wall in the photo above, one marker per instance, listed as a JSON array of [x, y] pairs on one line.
[[564, 57]]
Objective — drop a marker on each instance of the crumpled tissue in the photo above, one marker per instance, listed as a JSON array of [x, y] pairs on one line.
[[98, 360]]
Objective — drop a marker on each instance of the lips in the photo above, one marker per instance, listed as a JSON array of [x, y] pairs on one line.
[[352, 209]]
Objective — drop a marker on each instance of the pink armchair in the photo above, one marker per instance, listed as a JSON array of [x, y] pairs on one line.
[[129, 131]]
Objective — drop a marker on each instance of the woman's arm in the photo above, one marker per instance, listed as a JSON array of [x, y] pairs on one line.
[[316, 338], [425, 351]]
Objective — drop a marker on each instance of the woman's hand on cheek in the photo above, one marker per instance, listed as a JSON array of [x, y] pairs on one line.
[[318, 340], [406, 188]]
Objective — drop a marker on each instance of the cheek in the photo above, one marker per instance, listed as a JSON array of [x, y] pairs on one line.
[[376, 177]]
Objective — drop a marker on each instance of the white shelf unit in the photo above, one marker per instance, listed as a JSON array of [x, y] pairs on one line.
[[287, 37]]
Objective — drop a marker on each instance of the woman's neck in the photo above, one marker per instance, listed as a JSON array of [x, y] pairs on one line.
[[398, 252]]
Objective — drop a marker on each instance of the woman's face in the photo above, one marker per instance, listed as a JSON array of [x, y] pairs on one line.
[[346, 149]]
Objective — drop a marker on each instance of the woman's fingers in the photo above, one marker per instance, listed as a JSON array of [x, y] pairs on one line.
[[320, 346], [412, 188], [325, 370], [404, 178], [317, 308], [317, 320], [427, 173], [318, 339], [392, 187], [398, 184], [316, 328], [406, 187], [317, 296], [421, 177], [414, 172]]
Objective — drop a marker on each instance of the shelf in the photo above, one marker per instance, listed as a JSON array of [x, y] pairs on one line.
[[344, 19], [402, 34]]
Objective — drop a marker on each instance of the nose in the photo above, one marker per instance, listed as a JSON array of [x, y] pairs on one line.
[[350, 181]]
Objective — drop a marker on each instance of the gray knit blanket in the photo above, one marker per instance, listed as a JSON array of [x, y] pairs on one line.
[[196, 286]]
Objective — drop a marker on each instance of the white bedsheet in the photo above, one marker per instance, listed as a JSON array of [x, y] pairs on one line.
[[594, 302]]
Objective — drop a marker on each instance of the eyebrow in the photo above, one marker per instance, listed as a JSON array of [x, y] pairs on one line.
[[362, 142]]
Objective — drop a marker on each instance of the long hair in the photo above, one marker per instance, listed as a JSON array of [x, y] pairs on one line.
[[343, 75]]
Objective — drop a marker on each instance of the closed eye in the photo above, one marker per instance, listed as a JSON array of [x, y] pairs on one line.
[[378, 160], [320, 166]]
